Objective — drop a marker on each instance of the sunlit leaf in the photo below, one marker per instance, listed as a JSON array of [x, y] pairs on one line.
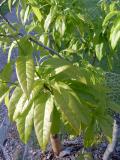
[[49, 18], [99, 51], [109, 16], [26, 15], [115, 34], [10, 50], [3, 91], [10, 5], [29, 124], [25, 73], [42, 118], [37, 13], [19, 106]]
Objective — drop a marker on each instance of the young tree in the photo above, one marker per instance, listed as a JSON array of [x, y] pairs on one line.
[[64, 86]]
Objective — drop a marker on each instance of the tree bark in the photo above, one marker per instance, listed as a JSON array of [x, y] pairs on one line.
[[110, 148], [56, 144]]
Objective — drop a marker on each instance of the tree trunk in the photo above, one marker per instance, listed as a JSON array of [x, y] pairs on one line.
[[56, 144], [110, 148]]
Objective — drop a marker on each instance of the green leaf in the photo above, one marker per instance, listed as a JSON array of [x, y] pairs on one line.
[[56, 62], [49, 18], [70, 106], [19, 107], [10, 50], [63, 27], [48, 21], [37, 12], [6, 73], [66, 127], [99, 51], [42, 118], [13, 101], [106, 125], [109, 16], [115, 34], [20, 123], [114, 106], [25, 73], [86, 92], [89, 134], [56, 122], [6, 99], [23, 46], [60, 25], [3, 91], [29, 124], [25, 125], [61, 69], [26, 15], [10, 5], [38, 86]]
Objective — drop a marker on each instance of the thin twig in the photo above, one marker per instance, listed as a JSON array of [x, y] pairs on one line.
[[3, 35], [6, 20], [94, 59], [53, 52], [7, 82], [8, 35]]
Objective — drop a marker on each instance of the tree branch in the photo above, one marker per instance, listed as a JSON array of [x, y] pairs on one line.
[[94, 59], [52, 51], [8, 35], [7, 82], [111, 146], [6, 20]]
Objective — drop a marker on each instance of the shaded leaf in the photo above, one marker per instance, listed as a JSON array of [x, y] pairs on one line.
[[90, 133], [114, 106], [6, 73], [70, 105], [106, 125], [13, 101], [20, 123], [55, 121], [25, 47]]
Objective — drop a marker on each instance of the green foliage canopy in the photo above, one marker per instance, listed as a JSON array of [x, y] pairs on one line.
[[62, 88]]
